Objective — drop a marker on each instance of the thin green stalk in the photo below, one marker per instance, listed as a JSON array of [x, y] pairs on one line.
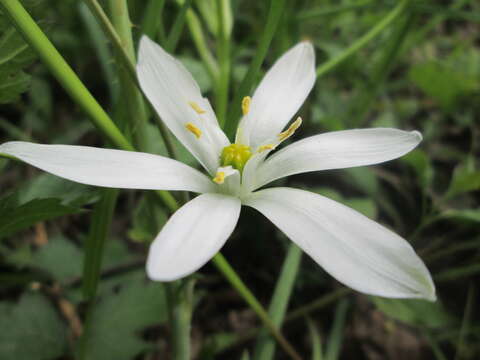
[[62, 71], [152, 23], [99, 226], [265, 347], [109, 29], [223, 43], [200, 43], [313, 13], [128, 59], [221, 263], [367, 93], [364, 40], [132, 97], [273, 18], [180, 304], [177, 27], [100, 44]]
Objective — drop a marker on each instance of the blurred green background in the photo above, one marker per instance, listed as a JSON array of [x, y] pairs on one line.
[[421, 72]]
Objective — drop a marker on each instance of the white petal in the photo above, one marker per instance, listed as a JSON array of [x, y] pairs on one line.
[[354, 249], [192, 236], [337, 150], [110, 168], [171, 88], [280, 94]]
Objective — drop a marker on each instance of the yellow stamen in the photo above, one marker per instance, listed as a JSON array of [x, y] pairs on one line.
[[246, 104], [193, 129], [291, 130], [219, 177], [196, 107], [265, 147]]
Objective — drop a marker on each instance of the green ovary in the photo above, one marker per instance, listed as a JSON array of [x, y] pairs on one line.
[[235, 155]]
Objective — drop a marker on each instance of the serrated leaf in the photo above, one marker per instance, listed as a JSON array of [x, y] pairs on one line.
[[119, 317], [14, 219], [35, 330]]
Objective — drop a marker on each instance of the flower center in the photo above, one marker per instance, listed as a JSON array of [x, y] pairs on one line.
[[235, 155]]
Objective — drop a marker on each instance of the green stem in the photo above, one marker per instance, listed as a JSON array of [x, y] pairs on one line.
[[274, 15], [364, 40], [223, 41], [361, 104], [118, 43], [200, 43], [265, 347], [92, 263], [62, 71], [131, 96], [180, 304], [152, 23], [313, 13], [221, 263], [128, 59], [177, 27]]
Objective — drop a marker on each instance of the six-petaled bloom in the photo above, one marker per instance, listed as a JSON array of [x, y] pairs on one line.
[[354, 249]]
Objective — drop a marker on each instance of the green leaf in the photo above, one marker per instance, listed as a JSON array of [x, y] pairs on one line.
[[51, 258], [119, 317], [467, 215], [464, 179], [414, 312], [35, 330], [420, 161], [15, 55], [445, 84], [47, 186], [14, 219]]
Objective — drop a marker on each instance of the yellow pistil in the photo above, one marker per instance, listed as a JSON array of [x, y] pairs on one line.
[[193, 129], [246, 104], [291, 130], [265, 147], [196, 107], [236, 156], [219, 177]]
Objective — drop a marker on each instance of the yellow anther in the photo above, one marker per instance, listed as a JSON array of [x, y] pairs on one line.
[[291, 130], [219, 177], [246, 104], [196, 107], [265, 147], [193, 129]]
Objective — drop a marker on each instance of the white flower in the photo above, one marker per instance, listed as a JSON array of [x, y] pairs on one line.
[[354, 249]]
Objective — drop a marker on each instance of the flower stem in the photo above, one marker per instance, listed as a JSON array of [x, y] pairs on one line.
[[128, 60], [265, 347], [221, 263], [223, 43], [92, 261], [180, 304], [136, 112], [62, 71], [198, 38], [177, 27], [364, 40], [274, 15]]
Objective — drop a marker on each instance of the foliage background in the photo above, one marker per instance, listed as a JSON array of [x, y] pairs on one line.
[[422, 72]]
